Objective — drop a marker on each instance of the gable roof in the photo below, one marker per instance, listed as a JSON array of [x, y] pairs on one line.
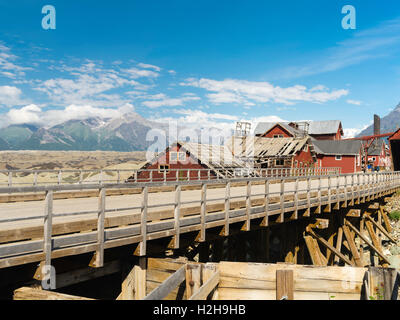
[[376, 148], [337, 147], [315, 127], [325, 127]]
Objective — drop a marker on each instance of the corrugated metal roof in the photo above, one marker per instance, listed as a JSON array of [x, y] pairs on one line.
[[324, 127], [337, 147], [315, 127]]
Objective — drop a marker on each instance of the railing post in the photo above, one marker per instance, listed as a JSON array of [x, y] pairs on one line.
[[118, 177], [151, 175], [165, 175], [177, 175], [198, 175], [227, 207], [177, 215], [308, 195], [248, 205], [101, 177], [143, 221], [337, 191], [329, 192], [48, 226], [35, 178], [59, 176], [296, 198], [80, 176], [99, 256], [319, 193], [265, 221], [282, 200]]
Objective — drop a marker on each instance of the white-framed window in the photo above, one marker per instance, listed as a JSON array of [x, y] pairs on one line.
[[338, 157], [358, 160], [279, 162], [278, 135], [373, 158]]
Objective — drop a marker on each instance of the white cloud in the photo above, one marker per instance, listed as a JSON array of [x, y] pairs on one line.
[[355, 102], [161, 100], [7, 66], [149, 66], [135, 73], [10, 96], [251, 92], [34, 114]]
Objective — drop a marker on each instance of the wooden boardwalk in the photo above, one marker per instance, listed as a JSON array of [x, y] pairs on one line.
[[44, 230]]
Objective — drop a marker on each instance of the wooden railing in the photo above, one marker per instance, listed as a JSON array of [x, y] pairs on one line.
[[12, 178], [260, 198]]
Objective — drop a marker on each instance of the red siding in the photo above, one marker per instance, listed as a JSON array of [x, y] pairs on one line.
[[336, 136], [175, 166], [304, 159], [348, 164], [277, 129]]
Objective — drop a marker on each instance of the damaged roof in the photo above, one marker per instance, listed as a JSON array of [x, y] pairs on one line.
[[256, 147], [315, 127]]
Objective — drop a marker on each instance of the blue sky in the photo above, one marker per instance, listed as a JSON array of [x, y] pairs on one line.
[[199, 62]]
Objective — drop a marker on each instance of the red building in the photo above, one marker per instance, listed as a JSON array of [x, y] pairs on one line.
[[343, 154], [320, 130], [379, 155], [394, 145], [189, 161]]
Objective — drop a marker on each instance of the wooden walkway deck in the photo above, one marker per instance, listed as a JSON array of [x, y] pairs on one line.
[[45, 230]]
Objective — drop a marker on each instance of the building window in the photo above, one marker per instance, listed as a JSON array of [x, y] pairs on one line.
[[278, 135], [279, 162], [296, 163], [163, 168], [373, 158], [181, 156], [338, 158], [173, 156]]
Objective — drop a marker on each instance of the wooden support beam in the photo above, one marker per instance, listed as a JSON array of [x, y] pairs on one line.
[[377, 225], [326, 244], [313, 251], [365, 239], [208, 286], [140, 279], [284, 285], [265, 220], [167, 286], [352, 245], [320, 223], [339, 241], [353, 213], [193, 279], [386, 220], [141, 248], [384, 283], [373, 236], [27, 293]]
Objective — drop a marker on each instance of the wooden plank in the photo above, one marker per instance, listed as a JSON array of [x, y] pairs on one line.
[[386, 220], [128, 286], [142, 248], [48, 223], [315, 257], [203, 292], [353, 248], [326, 244], [99, 254], [377, 225], [265, 220], [177, 216], [167, 286], [193, 279], [227, 208], [384, 283], [284, 285], [27, 293], [339, 240], [140, 279], [365, 239]]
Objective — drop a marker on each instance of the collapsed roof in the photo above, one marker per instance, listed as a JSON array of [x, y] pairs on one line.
[[337, 147]]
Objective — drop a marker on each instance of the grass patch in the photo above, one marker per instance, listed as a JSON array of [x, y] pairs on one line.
[[395, 215]]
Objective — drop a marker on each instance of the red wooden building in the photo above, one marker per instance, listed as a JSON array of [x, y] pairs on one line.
[[320, 130], [189, 161], [378, 155], [343, 154]]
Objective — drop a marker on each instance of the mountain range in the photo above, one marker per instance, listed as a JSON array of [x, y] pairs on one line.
[[126, 133], [389, 123]]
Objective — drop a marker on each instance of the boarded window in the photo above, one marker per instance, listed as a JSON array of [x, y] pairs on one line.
[[163, 168]]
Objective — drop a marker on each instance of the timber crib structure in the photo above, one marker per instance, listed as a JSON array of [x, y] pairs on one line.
[[340, 206]]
